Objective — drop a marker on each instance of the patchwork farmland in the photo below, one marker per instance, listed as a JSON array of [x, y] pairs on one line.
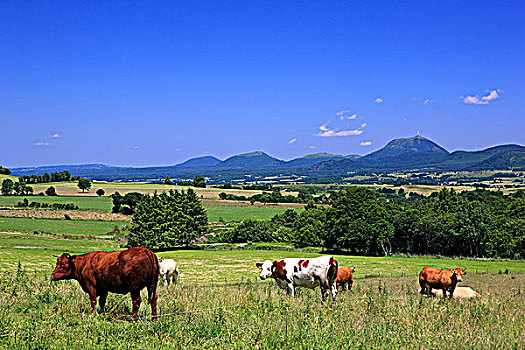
[[220, 303]]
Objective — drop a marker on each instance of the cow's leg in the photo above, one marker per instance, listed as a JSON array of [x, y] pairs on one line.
[[451, 291], [102, 299], [445, 292], [324, 291], [164, 278], [176, 276], [334, 291], [168, 278], [290, 290], [152, 298], [423, 286], [135, 297], [93, 298]]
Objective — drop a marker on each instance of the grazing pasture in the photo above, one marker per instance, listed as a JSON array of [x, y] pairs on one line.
[[59, 226], [84, 202], [379, 313]]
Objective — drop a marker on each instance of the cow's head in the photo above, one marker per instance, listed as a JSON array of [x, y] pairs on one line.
[[64, 268], [459, 274], [266, 269]]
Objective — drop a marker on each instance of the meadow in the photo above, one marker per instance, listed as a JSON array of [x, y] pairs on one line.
[[379, 313], [59, 226]]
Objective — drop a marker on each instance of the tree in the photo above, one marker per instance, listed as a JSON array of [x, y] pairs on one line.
[[4, 171], [249, 230], [100, 192], [7, 187], [199, 182], [84, 184], [22, 189], [51, 191], [358, 221], [305, 196], [126, 204], [167, 180], [167, 220]]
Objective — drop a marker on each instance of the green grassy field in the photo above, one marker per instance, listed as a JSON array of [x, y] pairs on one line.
[[235, 265], [212, 309], [59, 226], [228, 213], [36, 313], [86, 203]]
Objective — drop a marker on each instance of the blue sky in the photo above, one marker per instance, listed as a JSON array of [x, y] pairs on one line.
[[156, 83]]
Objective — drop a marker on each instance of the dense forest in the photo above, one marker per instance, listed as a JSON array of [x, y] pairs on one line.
[[476, 223]]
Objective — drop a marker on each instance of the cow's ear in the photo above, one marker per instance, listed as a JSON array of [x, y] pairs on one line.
[[259, 265], [353, 269], [56, 256], [464, 271]]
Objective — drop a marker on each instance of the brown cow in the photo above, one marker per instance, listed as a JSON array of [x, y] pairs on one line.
[[122, 272], [431, 277], [345, 277]]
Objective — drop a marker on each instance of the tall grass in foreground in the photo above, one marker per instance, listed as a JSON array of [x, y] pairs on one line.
[[378, 313]]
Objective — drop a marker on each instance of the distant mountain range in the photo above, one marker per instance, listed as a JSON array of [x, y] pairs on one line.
[[404, 154]]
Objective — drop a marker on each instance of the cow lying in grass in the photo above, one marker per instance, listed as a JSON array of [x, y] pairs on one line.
[[309, 273], [459, 293], [446, 280], [345, 277], [168, 270]]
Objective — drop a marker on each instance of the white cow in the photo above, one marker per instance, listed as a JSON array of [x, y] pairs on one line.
[[459, 293], [309, 273], [168, 269]]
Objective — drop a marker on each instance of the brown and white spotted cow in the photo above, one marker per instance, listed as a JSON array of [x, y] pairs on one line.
[[309, 273]]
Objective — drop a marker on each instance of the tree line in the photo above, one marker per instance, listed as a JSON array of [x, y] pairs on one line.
[[276, 196], [61, 176], [359, 221]]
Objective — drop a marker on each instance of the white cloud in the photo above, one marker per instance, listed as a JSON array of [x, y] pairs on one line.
[[178, 149], [136, 147], [493, 95], [42, 143], [365, 143], [56, 136], [482, 100], [333, 133], [378, 100], [343, 112], [413, 99], [405, 119], [326, 131], [428, 101], [292, 141], [312, 147]]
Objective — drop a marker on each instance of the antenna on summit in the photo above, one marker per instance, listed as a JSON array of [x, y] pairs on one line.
[[418, 132]]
